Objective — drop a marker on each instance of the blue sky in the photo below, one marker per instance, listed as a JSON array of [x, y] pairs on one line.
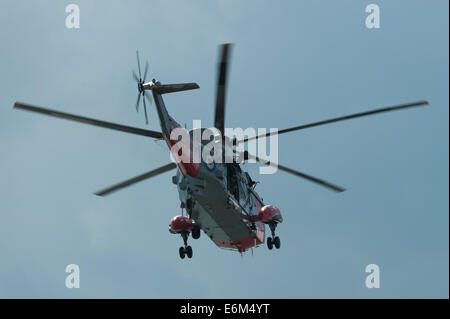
[[294, 62]]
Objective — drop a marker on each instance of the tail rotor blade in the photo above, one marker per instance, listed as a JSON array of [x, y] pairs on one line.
[[145, 71], [135, 77], [139, 64], [148, 97], [137, 102], [145, 110]]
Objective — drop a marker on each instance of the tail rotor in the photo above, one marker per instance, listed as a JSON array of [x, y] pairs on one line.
[[140, 80]]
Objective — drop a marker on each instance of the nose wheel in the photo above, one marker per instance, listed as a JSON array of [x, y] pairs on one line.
[[274, 240], [186, 250]]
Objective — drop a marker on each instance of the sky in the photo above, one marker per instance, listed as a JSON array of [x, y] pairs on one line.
[[293, 62]]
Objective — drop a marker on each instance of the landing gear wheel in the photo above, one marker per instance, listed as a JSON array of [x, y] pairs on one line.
[[269, 243], [189, 251], [276, 242], [181, 251], [196, 232]]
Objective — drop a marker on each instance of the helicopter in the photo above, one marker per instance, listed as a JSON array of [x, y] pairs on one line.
[[219, 197]]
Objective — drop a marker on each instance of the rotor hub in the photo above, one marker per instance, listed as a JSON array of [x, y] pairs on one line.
[[140, 86]]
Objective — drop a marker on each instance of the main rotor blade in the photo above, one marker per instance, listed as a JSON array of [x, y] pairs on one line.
[[85, 120], [219, 116], [292, 171], [337, 119], [136, 179]]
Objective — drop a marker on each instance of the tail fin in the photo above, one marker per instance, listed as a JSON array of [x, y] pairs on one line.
[[157, 91], [171, 88]]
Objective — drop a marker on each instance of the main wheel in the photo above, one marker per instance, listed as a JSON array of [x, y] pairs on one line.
[[196, 232], [269, 243], [276, 242], [189, 251], [181, 251]]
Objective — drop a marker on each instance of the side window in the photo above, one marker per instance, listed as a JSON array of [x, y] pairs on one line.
[[242, 189]]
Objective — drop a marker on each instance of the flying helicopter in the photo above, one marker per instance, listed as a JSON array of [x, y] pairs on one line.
[[219, 197]]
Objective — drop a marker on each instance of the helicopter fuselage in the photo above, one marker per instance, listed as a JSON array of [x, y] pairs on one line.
[[226, 218]]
